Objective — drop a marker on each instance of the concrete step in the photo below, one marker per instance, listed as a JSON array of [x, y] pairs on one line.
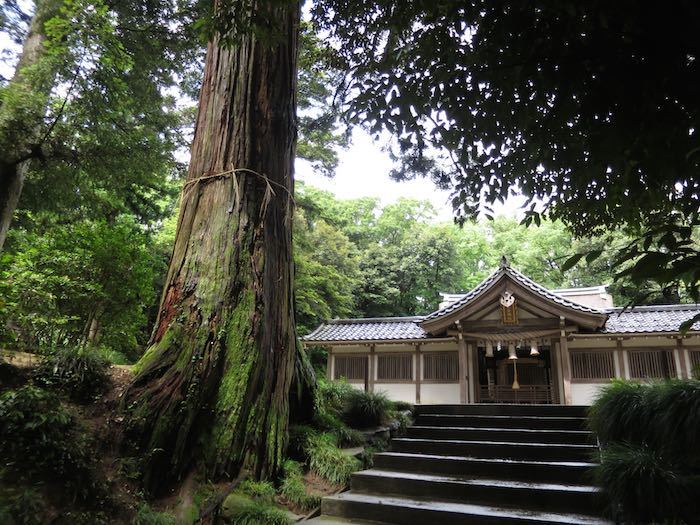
[[495, 449], [522, 435], [486, 421], [397, 510], [539, 496], [570, 472], [494, 409]]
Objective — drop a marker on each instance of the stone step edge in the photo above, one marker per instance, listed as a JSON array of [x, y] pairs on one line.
[[467, 509], [526, 462], [506, 429], [564, 446], [477, 481]]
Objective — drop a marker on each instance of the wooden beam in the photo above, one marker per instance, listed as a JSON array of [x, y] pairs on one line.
[[372, 367]]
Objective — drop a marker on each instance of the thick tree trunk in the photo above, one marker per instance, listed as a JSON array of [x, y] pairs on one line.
[[20, 125], [214, 384], [11, 182]]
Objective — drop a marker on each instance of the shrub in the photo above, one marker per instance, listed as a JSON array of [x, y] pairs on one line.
[[258, 490], [293, 488], [23, 508], [650, 464], [646, 485], [145, 515], [328, 461], [40, 439], [332, 396], [79, 372], [403, 406], [366, 409], [241, 510]]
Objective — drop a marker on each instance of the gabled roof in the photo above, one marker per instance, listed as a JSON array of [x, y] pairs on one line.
[[593, 317]]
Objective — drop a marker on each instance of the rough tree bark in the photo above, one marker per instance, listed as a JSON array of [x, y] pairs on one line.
[[21, 115], [213, 387]]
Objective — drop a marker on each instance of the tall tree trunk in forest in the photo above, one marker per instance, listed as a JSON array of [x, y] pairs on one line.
[[213, 387], [21, 114]]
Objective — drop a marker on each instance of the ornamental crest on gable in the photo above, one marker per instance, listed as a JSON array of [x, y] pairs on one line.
[[509, 308]]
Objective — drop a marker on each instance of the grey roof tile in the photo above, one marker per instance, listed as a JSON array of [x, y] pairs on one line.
[[661, 318], [384, 329]]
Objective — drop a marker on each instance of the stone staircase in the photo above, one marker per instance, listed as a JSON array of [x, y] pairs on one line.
[[478, 464]]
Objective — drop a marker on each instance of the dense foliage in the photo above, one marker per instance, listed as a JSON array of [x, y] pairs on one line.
[[650, 462], [588, 109], [358, 258], [40, 442]]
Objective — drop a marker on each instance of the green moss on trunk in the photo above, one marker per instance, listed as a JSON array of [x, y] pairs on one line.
[[212, 389]]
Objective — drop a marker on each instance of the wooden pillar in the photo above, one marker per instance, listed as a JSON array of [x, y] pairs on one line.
[[329, 364], [372, 367], [472, 371], [682, 370], [418, 373], [462, 369], [625, 369], [558, 383], [565, 363]]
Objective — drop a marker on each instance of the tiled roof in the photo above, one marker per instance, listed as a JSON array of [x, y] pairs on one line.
[[642, 319], [661, 318], [377, 329], [519, 278]]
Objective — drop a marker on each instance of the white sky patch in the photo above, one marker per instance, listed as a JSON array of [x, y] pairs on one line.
[[363, 171]]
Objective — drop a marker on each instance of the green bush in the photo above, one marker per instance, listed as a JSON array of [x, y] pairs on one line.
[[145, 515], [258, 490], [650, 463], [23, 507], [646, 485], [328, 461], [402, 406], [82, 373], [366, 409], [241, 510], [40, 440], [294, 490]]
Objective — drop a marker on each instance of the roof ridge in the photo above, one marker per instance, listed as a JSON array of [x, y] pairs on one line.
[[654, 308], [358, 320]]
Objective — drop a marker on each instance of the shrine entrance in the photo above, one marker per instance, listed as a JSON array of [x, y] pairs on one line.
[[516, 372]]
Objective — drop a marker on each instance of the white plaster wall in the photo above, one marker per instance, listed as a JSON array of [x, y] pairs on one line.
[[359, 386], [398, 391], [585, 393], [439, 393]]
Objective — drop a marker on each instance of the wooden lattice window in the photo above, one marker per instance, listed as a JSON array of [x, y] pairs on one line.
[[652, 364], [592, 365], [441, 366], [395, 367], [350, 367], [694, 362]]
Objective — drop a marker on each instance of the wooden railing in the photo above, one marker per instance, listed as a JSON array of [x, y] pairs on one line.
[[526, 394]]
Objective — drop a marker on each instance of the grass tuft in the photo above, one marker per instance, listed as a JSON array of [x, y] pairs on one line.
[[329, 462]]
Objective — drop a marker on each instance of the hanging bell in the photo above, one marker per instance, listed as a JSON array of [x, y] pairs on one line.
[[534, 352], [516, 384], [489, 349], [511, 351]]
